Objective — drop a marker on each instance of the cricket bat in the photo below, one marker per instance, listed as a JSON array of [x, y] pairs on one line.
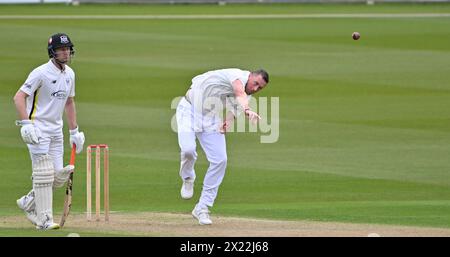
[[68, 197]]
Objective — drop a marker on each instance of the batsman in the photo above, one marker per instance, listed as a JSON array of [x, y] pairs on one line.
[[40, 102]]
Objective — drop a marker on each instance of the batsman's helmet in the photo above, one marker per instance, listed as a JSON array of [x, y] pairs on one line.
[[57, 41]]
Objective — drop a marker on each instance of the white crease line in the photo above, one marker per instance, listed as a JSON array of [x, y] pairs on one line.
[[223, 16]]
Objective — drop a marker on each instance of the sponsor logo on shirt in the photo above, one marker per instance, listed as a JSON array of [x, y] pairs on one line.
[[61, 94], [27, 85]]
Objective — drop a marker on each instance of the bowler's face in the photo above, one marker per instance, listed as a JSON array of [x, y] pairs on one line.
[[254, 84]]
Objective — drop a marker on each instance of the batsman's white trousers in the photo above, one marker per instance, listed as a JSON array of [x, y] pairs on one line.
[[192, 125], [51, 145]]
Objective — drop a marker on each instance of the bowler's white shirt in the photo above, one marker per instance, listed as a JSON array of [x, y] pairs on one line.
[[216, 84], [48, 88]]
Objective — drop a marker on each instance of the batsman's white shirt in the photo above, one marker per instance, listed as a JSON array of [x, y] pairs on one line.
[[48, 88], [217, 84]]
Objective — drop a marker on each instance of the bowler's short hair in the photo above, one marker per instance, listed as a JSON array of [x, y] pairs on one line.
[[263, 73]]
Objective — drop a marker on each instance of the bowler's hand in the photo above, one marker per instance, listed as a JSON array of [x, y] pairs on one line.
[[252, 116], [224, 128]]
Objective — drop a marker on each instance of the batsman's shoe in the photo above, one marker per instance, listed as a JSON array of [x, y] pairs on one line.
[[202, 215], [26, 203], [31, 215], [48, 226], [187, 189], [47, 222]]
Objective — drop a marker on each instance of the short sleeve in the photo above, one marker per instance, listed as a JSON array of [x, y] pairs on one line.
[[32, 83], [233, 75]]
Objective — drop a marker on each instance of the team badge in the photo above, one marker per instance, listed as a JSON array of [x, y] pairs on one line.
[[64, 40]]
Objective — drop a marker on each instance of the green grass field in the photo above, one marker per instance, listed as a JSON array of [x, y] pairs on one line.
[[364, 125]]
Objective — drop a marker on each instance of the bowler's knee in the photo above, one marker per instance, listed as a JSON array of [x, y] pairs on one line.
[[220, 160], [189, 153]]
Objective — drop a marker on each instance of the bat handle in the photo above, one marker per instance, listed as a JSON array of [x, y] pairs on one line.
[[72, 155]]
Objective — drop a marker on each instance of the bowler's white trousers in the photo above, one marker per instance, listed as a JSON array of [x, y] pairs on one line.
[[192, 125]]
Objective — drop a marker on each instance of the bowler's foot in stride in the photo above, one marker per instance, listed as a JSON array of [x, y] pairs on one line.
[[202, 215], [187, 189]]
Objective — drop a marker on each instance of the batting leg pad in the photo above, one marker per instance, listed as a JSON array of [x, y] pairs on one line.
[[61, 176], [43, 176]]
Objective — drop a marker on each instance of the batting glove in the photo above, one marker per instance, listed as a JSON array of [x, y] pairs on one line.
[[30, 134], [77, 138]]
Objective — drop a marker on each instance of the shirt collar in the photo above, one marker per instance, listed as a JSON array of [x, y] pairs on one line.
[[55, 69]]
